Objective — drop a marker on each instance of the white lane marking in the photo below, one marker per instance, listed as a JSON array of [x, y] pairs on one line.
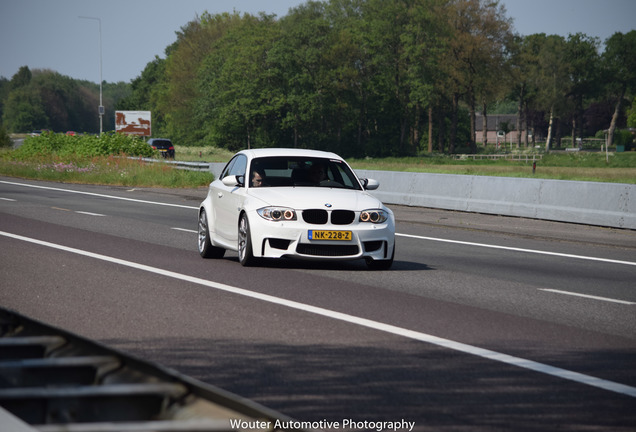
[[185, 230], [6, 199], [89, 213], [397, 234], [564, 255], [99, 195], [607, 299], [387, 328]]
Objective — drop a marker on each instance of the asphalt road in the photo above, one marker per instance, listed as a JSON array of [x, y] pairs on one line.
[[483, 323]]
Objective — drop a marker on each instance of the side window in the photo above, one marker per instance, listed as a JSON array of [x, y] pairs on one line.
[[228, 167], [236, 167], [239, 166], [344, 176]]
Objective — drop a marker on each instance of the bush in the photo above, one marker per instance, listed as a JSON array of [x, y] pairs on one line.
[[5, 139], [631, 115], [623, 137], [84, 146]]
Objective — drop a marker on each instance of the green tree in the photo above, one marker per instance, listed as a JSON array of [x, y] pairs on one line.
[[44, 99], [550, 76], [237, 96], [344, 79], [479, 44], [581, 54], [423, 46], [385, 23], [177, 102], [144, 87], [22, 78], [298, 57], [522, 63], [476, 44], [619, 62], [4, 94], [24, 111], [5, 139], [60, 100], [145, 92]]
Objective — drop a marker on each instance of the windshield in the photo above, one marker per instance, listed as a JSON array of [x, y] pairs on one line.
[[302, 172]]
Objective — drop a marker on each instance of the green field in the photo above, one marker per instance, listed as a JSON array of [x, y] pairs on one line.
[[581, 167]]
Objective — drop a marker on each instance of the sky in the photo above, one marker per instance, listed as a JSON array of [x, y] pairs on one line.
[[48, 34]]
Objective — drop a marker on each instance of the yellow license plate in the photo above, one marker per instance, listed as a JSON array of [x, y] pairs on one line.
[[329, 235]]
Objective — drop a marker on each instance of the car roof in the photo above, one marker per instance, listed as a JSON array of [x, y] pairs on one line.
[[265, 152]]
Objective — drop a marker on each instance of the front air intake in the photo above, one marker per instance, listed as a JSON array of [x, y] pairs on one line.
[[327, 250]]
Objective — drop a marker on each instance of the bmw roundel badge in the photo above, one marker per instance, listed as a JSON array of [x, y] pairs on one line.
[[328, 205]]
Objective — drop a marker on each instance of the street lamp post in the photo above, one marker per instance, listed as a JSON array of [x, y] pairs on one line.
[[101, 104]]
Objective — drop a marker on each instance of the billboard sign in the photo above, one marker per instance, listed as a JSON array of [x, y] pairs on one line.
[[133, 123]]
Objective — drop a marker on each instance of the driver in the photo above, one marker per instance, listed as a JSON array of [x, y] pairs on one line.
[[258, 178], [317, 172]]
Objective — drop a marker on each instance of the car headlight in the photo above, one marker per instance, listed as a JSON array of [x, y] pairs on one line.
[[277, 214], [374, 216]]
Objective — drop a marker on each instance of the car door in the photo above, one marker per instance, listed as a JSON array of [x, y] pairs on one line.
[[217, 191], [227, 200]]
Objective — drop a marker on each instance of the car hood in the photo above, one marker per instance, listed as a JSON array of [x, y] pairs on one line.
[[301, 198]]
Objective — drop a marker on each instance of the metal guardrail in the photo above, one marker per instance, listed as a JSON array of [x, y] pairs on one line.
[[193, 166], [511, 156], [53, 381]]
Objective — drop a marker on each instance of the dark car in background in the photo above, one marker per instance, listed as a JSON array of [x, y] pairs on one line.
[[163, 146]]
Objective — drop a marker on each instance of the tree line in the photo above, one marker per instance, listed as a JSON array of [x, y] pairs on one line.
[[45, 100], [375, 78]]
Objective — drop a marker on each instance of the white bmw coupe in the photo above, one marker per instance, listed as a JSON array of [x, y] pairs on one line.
[[290, 203]]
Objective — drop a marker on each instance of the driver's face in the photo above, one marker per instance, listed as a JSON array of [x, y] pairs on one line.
[[257, 180], [317, 173]]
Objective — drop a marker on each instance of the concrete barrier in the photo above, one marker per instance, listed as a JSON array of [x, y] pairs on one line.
[[592, 203]]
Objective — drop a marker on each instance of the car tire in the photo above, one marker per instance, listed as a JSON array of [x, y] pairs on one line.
[[381, 264], [206, 250], [245, 251]]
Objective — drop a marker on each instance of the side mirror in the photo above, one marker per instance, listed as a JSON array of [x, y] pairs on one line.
[[370, 184], [232, 181]]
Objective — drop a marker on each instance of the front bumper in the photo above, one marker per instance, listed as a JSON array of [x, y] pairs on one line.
[[290, 239]]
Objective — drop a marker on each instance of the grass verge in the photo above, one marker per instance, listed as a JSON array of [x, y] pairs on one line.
[[621, 167], [112, 170]]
